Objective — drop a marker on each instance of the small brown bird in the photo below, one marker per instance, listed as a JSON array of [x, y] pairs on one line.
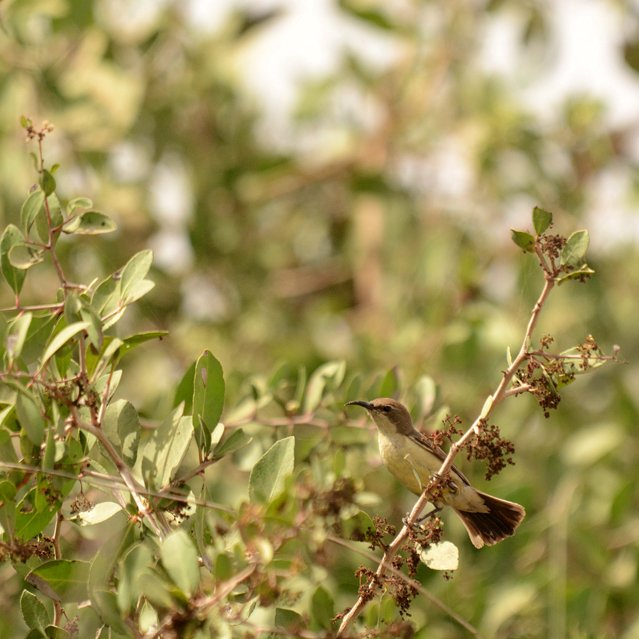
[[414, 460]]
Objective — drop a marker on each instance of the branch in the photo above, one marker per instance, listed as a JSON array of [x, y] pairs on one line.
[[134, 488], [414, 583], [501, 392]]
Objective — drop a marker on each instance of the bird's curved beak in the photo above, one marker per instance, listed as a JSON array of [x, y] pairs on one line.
[[359, 402]]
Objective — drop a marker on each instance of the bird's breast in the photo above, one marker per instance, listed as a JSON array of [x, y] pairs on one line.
[[409, 462]]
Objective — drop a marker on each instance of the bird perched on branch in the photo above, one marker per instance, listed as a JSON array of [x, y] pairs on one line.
[[414, 461]]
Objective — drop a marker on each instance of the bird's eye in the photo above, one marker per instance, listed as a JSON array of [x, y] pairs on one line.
[[386, 409]]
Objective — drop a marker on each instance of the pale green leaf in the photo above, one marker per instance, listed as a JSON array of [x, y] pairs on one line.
[[326, 377], [16, 334], [31, 208], [236, 440], [99, 513], [90, 223], [14, 276], [24, 257], [134, 272], [64, 336], [180, 561], [122, 426], [268, 477], [574, 251], [441, 556], [161, 450], [66, 577]]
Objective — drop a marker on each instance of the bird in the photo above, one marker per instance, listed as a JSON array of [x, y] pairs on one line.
[[414, 460]]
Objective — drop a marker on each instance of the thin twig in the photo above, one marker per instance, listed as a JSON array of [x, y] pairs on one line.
[[412, 582]]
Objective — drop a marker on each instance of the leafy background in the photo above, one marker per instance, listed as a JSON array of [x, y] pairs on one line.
[[371, 227]]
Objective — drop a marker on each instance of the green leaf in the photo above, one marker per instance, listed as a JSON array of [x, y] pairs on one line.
[[66, 577], [90, 223], [523, 240], [14, 276], [122, 426], [322, 608], [138, 290], [441, 556], [180, 561], [541, 220], [108, 554], [156, 589], [289, 620], [94, 330], [579, 274], [16, 335], [31, 520], [79, 203], [47, 182], [574, 251], [268, 477], [99, 513], [31, 207], [184, 390], [105, 604], [30, 416], [34, 613], [64, 336], [132, 341], [137, 559], [106, 297], [134, 272], [24, 257], [328, 376], [208, 398], [236, 440], [161, 450]]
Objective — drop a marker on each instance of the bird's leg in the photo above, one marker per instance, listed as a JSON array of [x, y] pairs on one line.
[[429, 514]]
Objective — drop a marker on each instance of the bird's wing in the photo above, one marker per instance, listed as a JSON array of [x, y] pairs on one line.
[[422, 441]]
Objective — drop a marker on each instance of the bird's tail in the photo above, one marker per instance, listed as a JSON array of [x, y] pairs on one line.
[[498, 522]]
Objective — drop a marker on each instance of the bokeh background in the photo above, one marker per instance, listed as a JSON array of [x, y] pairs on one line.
[[337, 180]]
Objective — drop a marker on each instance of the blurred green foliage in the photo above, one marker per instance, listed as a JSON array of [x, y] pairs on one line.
[[377, 230]]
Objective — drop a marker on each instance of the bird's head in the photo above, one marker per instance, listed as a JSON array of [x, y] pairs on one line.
[[389, 415]]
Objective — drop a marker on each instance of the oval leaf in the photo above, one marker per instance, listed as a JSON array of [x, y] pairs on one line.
[[90, 223], [47, 182], [268, 477], [14, 276], [208, 397], [34, 613], [541, 220], [442, 556], [62, 338], [179, 558], [523, 240], [67, 578], [30, 209], [23, 257], [134, 271], [99, 513], [574, 252], [163, 449]]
